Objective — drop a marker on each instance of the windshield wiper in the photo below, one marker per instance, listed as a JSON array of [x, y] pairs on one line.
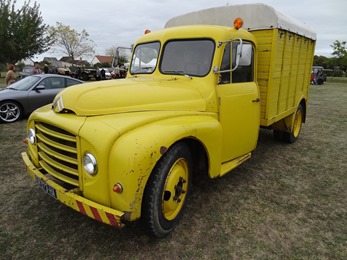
[[144, 70], [178, 72]]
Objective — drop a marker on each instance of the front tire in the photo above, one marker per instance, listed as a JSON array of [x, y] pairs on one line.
[[10, 112], [166, 192]]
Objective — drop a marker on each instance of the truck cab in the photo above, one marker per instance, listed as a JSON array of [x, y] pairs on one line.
[[221, 68]]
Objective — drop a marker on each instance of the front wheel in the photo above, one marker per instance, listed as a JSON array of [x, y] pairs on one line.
[[10, 112], [166, 192]]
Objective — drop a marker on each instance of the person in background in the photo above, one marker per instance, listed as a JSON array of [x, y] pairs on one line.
[[313, 79], [116, 72], [103, 74], [37, 69], [319, 77], [10, 75], [78, 73], [46, 69], [98, 74], [54, 70]]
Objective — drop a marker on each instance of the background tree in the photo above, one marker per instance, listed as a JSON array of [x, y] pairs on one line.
[[340, 54], [72, 43], [22, 32], [323, 61], [111, 51], [123, 54]]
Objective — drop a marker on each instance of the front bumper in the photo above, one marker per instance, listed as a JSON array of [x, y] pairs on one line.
[[72, 199]]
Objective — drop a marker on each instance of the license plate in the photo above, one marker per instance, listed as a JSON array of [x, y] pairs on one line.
[[48, 189]]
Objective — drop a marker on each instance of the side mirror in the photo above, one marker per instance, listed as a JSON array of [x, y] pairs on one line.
[[246, 54], [40, 87]]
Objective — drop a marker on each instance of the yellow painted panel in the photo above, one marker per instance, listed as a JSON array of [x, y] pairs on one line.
[[283, 72]]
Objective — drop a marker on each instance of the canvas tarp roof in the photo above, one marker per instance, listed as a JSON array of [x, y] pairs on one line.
[[254, 16]]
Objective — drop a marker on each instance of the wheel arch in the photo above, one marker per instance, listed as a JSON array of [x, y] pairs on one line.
[[144, 146], [200, 159], [303, 104]]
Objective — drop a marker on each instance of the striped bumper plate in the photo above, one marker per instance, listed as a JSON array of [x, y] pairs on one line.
[[87, 207]]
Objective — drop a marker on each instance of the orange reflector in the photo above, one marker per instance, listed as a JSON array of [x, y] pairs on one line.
[[118, 188], [238, 23], [147, 31]]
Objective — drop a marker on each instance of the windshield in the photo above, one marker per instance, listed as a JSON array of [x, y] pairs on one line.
[[145, 58], [187, 57], [24, 84]]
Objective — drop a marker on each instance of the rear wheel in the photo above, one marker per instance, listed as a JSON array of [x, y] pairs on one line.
[[167, 190], [10, 112], [294, 134]]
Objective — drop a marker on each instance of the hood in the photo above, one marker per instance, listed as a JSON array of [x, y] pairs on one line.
[[7, 93], [130, 95]]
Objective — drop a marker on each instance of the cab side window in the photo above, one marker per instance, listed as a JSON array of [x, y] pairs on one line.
[[225, 76]]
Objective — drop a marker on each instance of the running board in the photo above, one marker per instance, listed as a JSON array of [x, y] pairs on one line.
[[230, 165]]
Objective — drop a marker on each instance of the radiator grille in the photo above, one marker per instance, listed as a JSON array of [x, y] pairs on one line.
[[57, 151]]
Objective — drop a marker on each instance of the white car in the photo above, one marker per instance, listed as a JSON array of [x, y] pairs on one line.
[[107, 73]]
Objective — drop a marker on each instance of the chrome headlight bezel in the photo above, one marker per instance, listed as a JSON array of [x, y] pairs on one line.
[[31, 136], [90, 164]]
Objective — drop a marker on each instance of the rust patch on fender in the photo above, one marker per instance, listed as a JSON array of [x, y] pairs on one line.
[[163, 150]]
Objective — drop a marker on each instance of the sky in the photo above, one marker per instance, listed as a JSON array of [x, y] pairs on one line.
[[119, 23]]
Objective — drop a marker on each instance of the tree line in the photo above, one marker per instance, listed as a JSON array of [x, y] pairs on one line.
[[337, 63], [23, 34]]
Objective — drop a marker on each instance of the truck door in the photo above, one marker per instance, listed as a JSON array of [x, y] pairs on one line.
[[239, 103]]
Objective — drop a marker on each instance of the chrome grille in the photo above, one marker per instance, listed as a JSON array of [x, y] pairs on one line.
[[57, 150]]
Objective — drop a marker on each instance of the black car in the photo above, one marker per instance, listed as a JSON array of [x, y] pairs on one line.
[[24, 96]]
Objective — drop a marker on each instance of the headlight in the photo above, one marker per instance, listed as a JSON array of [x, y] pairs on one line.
[[31, 136], [90, 164]]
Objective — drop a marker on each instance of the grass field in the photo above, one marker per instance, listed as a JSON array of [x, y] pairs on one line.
[[286, 202]]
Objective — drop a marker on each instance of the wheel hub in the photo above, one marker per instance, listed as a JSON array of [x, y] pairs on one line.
[[175, 189], [179, 190]]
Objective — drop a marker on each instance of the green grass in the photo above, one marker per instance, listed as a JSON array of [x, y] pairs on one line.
[[337, 79], [286, 202]]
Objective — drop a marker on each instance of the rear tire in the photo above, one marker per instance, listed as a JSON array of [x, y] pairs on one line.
[[166, 192], [294, 134]]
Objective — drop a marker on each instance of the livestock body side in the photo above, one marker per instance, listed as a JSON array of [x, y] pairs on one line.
[[283, 72]]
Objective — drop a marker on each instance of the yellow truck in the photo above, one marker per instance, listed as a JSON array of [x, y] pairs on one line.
[[195, 96]]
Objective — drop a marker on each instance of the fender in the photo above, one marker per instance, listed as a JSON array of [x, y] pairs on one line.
[[287, 123], [134, 155]]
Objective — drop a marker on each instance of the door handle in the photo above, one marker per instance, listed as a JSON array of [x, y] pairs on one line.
[[256, 100]]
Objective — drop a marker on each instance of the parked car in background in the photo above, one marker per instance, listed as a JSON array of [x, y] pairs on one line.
[[320, 74], [27, 71], [107, 73], [24, 96], [64, 71]]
